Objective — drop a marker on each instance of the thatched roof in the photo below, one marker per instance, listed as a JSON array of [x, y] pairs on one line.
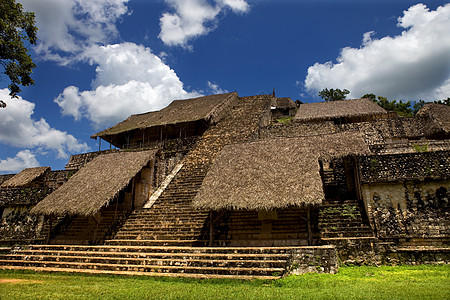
[[322, 111], [273, 173], [94, 185], [285, 102], [437, 119], [24, 177], [208, 108]]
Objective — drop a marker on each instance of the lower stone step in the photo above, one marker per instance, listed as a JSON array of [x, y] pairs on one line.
[[186, 262], [154, 242], [139, 273]]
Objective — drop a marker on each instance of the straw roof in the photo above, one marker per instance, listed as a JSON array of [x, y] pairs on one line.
[[321, 111], [94, 185], [285, 102], [438, 118], [273, 173], [24, 177], [179, 111]]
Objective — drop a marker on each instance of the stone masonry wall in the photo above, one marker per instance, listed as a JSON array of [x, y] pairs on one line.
[[79, 160], [405, 166], [16, 222], [297, 129], [410, 209], [5, 177], [23, 196], [313, 259]]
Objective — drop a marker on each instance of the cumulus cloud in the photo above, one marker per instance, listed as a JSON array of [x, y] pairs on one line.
[[23, 159], [215, 88], [19, 129], [414, 65], [130, 79], [194, 18], [66, 27]]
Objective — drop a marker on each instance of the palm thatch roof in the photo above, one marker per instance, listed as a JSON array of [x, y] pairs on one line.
[[273, 173], [284, 102], [25, 177], [437, 118], [94, 185], [322, 111], [208, 108]]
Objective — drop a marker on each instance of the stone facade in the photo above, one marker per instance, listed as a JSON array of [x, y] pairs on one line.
[[320, 259], [17, 225], [409, 209], [405, 166]]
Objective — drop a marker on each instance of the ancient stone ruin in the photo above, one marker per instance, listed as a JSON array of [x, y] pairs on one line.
[[242, 187]]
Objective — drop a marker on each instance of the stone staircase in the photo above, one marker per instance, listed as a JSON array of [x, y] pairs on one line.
[[342, 218], [200, 262], [161, 240], [85, 230], [171, 220]]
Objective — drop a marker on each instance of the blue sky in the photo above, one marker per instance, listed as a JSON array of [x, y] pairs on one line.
[[98, 61]]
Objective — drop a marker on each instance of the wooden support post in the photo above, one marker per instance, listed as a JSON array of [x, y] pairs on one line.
[[308, 219], [50, 224], [99, 144], [97, 219], [211, 228]]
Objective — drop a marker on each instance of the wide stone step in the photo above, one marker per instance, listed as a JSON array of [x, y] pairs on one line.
[[186, 261], [347, 234], [336, 223], [163, 249], [145, 228], [158, 236], [147, 268], [138, 273], [154, 242], [129, 252]]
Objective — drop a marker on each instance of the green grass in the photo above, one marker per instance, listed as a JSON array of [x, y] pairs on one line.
[[404, 282]]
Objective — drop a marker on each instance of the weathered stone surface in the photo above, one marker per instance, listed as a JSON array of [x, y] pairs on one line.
[[409, 209], [405, 166], [313, 259]]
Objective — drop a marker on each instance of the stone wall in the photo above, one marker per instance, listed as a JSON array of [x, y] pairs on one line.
[[411, 209], [17, 226], [313, 259], [410, 146], [5, 177], [357, 250], [294, 129], [16, 222], [79, 160], [404, 167], [23, 196], [384, 130]]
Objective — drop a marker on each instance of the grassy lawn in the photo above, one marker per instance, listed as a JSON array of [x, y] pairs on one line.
[[405, 282]]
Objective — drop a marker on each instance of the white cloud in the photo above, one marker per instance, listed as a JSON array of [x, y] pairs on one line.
[[194, 18], [71, 25], [215, 88], [19, 129], [414, 65], [238, 6], [23, 159], [130, 79]]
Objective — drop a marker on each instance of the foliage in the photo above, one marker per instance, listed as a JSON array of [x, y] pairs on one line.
[[16, 29], [405, 109], [284, 120], [333, 94], [405, 282], [443, 101], [420, 148]]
